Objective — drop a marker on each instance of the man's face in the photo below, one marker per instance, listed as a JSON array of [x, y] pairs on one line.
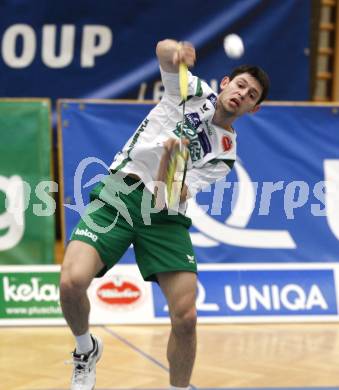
[[240, 95]]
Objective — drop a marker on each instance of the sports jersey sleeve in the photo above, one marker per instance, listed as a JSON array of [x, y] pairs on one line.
[[171, 83], [200, 178]]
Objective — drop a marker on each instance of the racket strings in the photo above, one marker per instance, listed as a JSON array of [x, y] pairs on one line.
[[177, 166]]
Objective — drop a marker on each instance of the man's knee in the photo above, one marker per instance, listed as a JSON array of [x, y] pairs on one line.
[[80, 265], [72, 280], [71, 283], [184, 322]]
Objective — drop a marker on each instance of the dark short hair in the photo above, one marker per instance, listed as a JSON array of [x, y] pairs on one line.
[[259, 74]]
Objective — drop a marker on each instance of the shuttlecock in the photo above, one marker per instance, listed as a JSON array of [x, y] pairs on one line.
[[234, 46]]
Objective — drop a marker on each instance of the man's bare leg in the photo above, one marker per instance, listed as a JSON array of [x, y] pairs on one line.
[[180, 291], [81, 264]]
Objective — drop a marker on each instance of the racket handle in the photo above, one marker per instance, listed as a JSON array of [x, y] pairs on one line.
[[183, 80]]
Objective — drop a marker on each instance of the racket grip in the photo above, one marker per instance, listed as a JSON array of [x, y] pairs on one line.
[[183, 80]]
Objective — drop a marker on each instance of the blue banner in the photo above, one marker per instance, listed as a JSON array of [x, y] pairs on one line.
[[279, 204], [106, 49], [252, 293]]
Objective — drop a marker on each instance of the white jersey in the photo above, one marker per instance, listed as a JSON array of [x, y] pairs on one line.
[[212, 149]]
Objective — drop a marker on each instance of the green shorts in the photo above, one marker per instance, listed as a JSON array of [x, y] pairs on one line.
[[120, 214]]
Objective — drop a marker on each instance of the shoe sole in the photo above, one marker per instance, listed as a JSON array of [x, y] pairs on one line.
[[100, 347], [100, 350]]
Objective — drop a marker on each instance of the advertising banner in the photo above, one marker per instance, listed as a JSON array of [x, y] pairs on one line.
[[278, 205], [29, 294], [242, 293], [261, 291], [121, 296], [226, 293], [27, 209], [107, 49]]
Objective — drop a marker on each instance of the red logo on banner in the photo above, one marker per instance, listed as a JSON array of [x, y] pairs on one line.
[[227, 143], [123, 293]]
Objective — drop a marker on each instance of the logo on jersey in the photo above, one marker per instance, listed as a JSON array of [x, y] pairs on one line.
[[213, 99], [227, 143], [204, 142], [210, 129], [190, 132], [204, 108], [193, 120], [199, 144]]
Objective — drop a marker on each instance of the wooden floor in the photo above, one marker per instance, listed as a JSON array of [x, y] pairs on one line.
[[237, 356]]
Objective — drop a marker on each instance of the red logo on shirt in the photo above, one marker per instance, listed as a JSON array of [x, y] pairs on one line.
[[227, 143]]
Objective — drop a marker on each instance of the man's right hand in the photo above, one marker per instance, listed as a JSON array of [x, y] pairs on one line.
[[171, 53]]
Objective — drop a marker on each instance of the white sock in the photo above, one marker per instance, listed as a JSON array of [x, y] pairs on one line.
[[84, 343], [179, 388]]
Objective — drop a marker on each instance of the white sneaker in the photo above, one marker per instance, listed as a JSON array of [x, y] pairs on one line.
[[84, 367]]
